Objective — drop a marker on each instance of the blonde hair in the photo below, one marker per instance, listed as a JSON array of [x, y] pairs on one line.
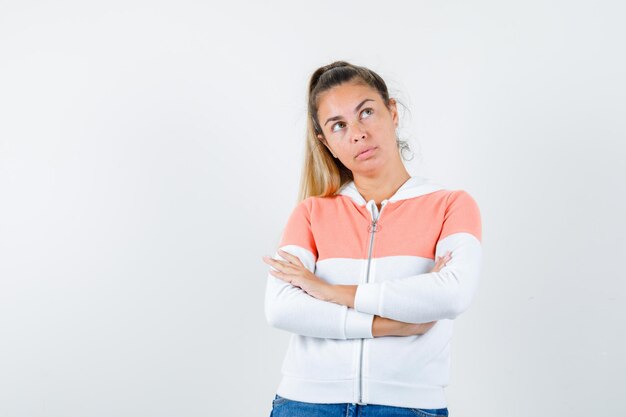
[[322, 174]]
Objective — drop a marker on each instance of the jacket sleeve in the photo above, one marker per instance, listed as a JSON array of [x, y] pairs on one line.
[[290, 308], [434, 295]]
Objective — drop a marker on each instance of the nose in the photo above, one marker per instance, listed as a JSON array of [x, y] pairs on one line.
[[357, 133]]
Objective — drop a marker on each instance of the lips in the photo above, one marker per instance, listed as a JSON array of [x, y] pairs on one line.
[[369, 148]]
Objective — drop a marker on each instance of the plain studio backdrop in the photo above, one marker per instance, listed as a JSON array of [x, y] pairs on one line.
[[150, 154]]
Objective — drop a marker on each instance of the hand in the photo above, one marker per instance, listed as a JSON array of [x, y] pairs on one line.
[[294, 272], [440, 262], [382, 326], [412, 329]]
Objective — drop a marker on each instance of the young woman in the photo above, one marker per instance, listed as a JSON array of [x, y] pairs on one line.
[[373, 264]]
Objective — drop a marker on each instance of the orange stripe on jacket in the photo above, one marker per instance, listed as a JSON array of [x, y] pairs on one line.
[[336, 227]]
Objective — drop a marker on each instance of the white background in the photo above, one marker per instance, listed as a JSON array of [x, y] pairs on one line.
[[150, 154]]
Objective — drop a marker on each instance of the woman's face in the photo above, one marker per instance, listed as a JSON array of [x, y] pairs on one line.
[[354, 119]]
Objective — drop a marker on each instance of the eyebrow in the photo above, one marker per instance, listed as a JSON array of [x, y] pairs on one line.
[[356, 109]]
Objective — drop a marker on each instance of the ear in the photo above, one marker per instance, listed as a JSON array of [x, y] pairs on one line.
[[323, 140], [394, 111]]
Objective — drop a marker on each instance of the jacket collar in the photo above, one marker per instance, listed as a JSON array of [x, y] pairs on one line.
[[413, 187]]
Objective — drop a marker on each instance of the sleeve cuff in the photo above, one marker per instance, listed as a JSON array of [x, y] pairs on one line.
[[366, 299], [358, 325]]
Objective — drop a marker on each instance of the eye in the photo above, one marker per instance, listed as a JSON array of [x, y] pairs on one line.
[[332, 128], [369, 111]]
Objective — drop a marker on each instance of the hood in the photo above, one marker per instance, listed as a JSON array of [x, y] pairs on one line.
[[413, 187]]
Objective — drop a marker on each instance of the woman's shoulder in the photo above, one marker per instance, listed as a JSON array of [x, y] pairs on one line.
[[460, 197], [320, 200]]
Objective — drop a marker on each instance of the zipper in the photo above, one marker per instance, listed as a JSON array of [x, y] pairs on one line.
[[372, 228]]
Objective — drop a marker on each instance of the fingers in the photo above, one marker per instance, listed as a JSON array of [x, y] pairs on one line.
[[440, 262], [290, 258], [282, 270], [443, 259], [282, 276], [291, 265], [278, 264]]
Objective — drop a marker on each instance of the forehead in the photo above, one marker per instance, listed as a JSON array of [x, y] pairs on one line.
[[344, 97]]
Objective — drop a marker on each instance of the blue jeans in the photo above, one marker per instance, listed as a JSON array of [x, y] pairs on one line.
[[283, 407]]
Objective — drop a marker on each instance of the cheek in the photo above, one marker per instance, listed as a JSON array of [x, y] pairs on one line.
[[344, 154]]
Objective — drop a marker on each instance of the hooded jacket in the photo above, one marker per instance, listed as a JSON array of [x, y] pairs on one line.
[[332, 356]]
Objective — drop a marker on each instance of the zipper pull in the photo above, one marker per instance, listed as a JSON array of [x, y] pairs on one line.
[[374, 226]]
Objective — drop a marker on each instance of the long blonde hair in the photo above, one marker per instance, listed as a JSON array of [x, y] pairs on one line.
[[322, 174]]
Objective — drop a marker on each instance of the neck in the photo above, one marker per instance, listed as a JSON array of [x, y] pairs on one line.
[[381, 186]]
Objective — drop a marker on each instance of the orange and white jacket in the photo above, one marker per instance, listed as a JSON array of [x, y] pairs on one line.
[[343, 239]]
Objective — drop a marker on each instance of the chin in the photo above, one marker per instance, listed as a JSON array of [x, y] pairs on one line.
[[367, 169]]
